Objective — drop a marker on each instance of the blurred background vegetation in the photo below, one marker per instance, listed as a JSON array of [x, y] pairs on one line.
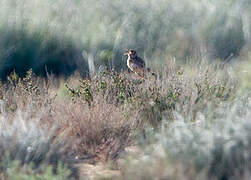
[[62, 36], [190, 121]]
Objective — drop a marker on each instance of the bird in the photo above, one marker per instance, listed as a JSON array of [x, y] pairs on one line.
[[135, 63]]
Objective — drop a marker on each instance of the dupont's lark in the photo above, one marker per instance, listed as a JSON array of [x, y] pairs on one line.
[[135, 63]]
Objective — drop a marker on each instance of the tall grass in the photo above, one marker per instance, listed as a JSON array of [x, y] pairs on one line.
[[63, 36], [180, 114]]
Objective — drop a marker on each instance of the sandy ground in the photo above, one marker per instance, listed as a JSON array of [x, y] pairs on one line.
[[101, 170], [90, 172]]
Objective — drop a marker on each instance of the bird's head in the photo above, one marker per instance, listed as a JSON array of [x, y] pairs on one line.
[[131, 53]]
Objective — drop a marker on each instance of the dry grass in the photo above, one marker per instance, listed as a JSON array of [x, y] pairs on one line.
[[93, 120], [98, 132]]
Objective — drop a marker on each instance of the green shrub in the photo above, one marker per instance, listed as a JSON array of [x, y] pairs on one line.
[[216, 148], [14, 170], [44, 52]]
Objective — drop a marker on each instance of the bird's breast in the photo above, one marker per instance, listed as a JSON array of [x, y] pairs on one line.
[[129, 61]]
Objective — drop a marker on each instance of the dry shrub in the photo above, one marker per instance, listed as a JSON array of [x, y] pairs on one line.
[[180, 90], [101, 115], [97, 132], [187, 90], [214, 148], [27, 139], [30, 91]]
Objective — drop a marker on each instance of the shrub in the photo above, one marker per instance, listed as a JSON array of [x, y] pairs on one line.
[[212, 147], [14, 170], [28, 141], [98, 117], [42, 51]]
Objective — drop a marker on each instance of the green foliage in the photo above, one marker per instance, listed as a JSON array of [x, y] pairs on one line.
[[209, 92], [22, 49], [116, 85], [148, 101], [84, 92], [14, 170]]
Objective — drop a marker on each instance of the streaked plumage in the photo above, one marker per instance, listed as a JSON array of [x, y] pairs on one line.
[[135, 63]]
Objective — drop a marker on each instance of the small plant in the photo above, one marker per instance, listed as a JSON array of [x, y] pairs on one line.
[[84, 92], [14, 170]]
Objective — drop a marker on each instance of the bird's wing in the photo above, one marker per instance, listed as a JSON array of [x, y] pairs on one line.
[[140, 62]]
